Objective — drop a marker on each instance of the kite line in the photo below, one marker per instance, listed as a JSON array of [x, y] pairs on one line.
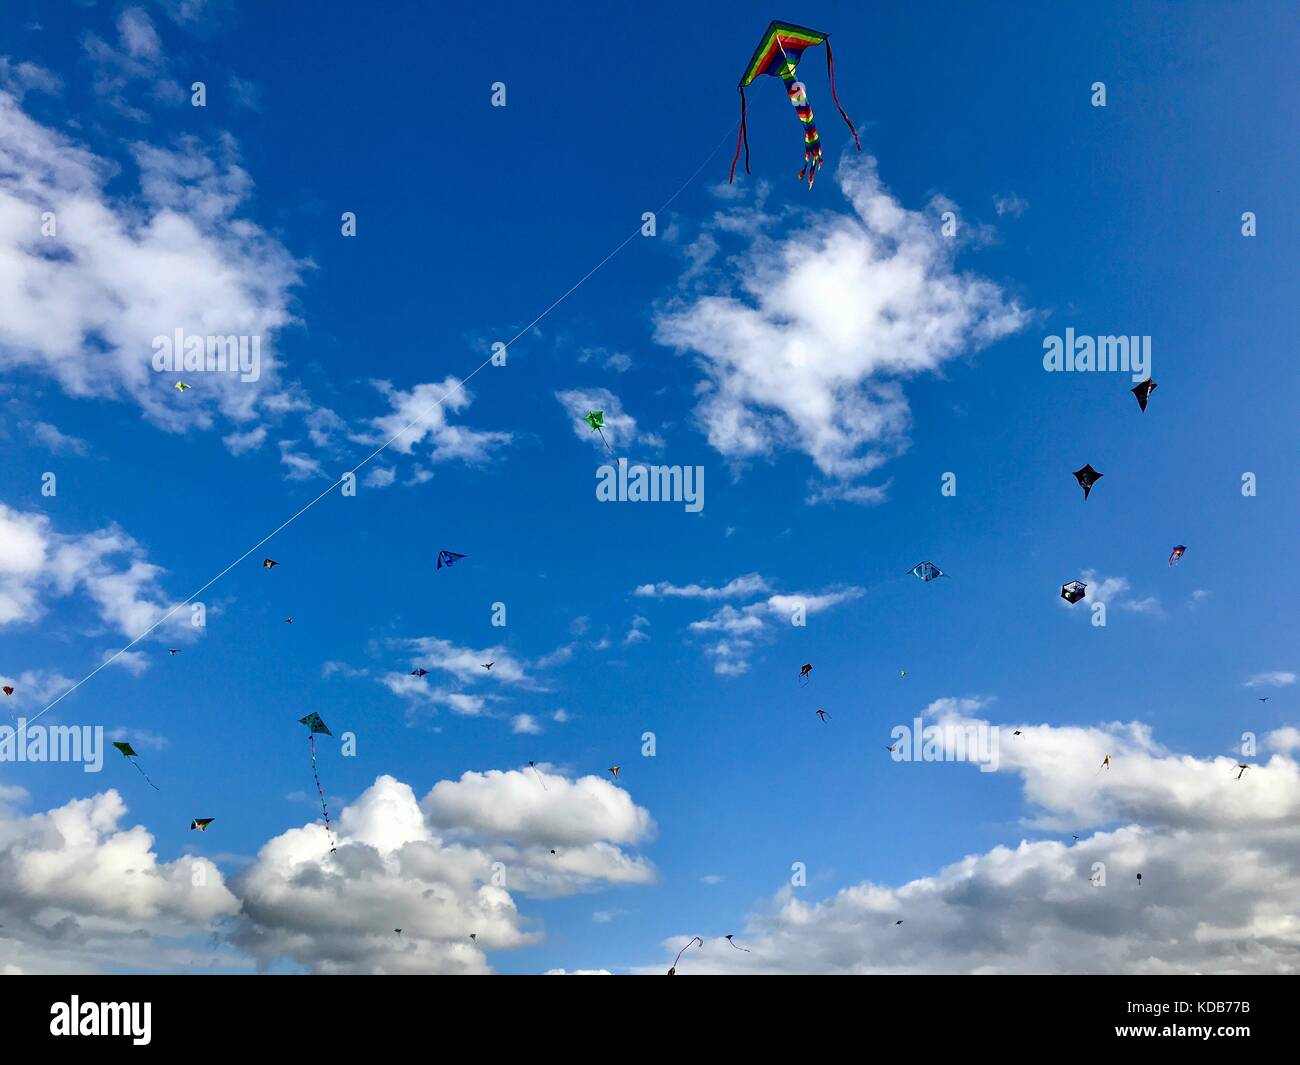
[[396, 436]]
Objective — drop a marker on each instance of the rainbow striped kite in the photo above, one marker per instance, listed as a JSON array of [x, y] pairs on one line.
[[778, 54]]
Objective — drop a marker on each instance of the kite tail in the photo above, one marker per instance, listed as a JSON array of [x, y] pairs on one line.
[[742, 137], [830, 71], [812, 153], [321, 792], [146, 777]]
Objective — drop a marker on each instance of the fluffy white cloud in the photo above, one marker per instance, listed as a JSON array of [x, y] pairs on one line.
[[438, 870], [420, 417], [829, 318], [465, 663], [740, 627], [76, 887], [1219, 858], [538, 807], [525, 725], [619, 429], [107, 566], [84, 305]]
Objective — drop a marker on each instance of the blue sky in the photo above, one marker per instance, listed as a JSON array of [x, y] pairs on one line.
[[471, 221]]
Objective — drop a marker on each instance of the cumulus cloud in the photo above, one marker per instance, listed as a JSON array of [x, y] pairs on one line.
[[107, 566], [1218, 856], [83, 306], [565, 813], [830, 317], [440, 870], [525, 725], [76, 887]]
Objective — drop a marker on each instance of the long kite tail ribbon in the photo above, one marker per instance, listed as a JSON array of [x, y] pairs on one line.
[[146, 777], [742, 137], [321, 792], [830, 72]]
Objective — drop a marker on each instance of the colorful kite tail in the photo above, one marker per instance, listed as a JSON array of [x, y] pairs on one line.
[[742, 137], [812, 162], [830, 73], [812, 153], [329, 831]]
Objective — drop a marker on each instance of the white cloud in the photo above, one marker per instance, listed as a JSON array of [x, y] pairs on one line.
[[138, 36], [619, 429], [76, 887], [239, 443], [58, 442], [431, 869], [1218, 856], [420, 417], [565, 813], [1012, 204], [331, 668], [465, 663], [107, 566], [1115, 592], [525, 725], [301, 467], [743, 587], [1276, 678], [1285, 739], [18, 79], [829, 319], [740, 627], [83, 307], [637, 633], [33, 688]]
